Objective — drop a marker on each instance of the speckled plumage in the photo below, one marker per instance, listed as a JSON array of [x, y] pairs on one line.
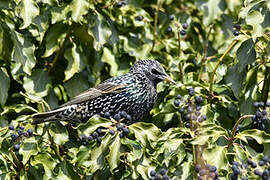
[[134, 92]]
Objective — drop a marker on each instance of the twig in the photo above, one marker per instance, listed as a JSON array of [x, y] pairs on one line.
[[179, 55], [204, 58], [215, 69], [155, 23], [235, 127]]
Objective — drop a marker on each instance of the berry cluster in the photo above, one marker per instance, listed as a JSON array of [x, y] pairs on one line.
[[162, 175], [207, 171], [245, 169], [101, 131], [236, 30], [17, 136], [261, 115], [190, 108], [120, 4], [182, 31]]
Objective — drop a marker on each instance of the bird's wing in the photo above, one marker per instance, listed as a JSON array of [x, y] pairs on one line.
[[97, 91]]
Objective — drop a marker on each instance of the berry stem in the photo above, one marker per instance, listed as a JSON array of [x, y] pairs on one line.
[[266, 84], [3, 129], [204, 58], [215, 69], [159, 3], [18, 164], [235, 127], [179, 55], [54, 146]]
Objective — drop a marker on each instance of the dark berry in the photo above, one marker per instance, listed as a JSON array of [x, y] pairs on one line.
[[267, 104], [265, 159], [212, 175], [179, 96], [95, 134], [117, 117], [123, 114], [25, 134], [163, 171], [212, 168], [197, 113], [14, 136], [165, 177], [187, 125], [169, 30], [126, 131], [244, 165], [198, 108], [120, 4], [99, 139], [139, 18], [157, 177], [107, 115], [261, 104], [128, 117], [257, 172], [234, 177], [153, 173], [202, 172], [16, 147], [237, 26], [236, 33], [85, 143], [256, 104], [191, 91], [261, 163], [254, 118], [187, 117], [112, 132], [21, 127], [185, 25], [244, 178], [83, 138], [249, 161], [121, 135], [99, 131], [176, 103], [119, 127], [181, 110], [90, 138], [198, 167], [258, 114], [183, 32], [30, 131], [264, 112], [11, 127], [189, 109], [171, 17], [264, 119], [20, 132], [261, 126], [198, 99]]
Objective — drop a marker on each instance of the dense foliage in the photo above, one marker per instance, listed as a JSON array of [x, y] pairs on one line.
[[213, 123]]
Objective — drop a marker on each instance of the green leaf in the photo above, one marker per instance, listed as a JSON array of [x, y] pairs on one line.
[[59, 133], [38, 83], [5, 83], [211, 9], [114, 154], [29, 149], [46, 161], [246, 54], [6, 44], [217, 156], [255, 19], [260, 136], [108, 57], [23, 52], [92, 124], [78, 9], [76, 61], [28, 11]]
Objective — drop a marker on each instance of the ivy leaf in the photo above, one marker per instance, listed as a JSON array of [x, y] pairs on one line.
[[23, 52], [28, 11], [108, 57], [75, 61], [114, 154], [78, 9], [217, 156], [4, 81], [246, 54], [29, 149], [46, 161], [38, 83], [255, 19], [260, 136], [58, 133]]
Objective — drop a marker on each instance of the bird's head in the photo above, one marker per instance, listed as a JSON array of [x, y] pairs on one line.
[[153, 70]]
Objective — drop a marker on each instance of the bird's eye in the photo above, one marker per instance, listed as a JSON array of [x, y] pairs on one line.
[[156, 72]]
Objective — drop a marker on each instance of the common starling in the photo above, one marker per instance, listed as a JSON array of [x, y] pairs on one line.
[[134, 92]]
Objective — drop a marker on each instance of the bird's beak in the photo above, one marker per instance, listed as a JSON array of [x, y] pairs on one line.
[[169, 79]]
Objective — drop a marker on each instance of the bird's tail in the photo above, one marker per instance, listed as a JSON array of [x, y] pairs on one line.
[[48, 116]]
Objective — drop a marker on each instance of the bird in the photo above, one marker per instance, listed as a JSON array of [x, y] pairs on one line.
[[133, 93]]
